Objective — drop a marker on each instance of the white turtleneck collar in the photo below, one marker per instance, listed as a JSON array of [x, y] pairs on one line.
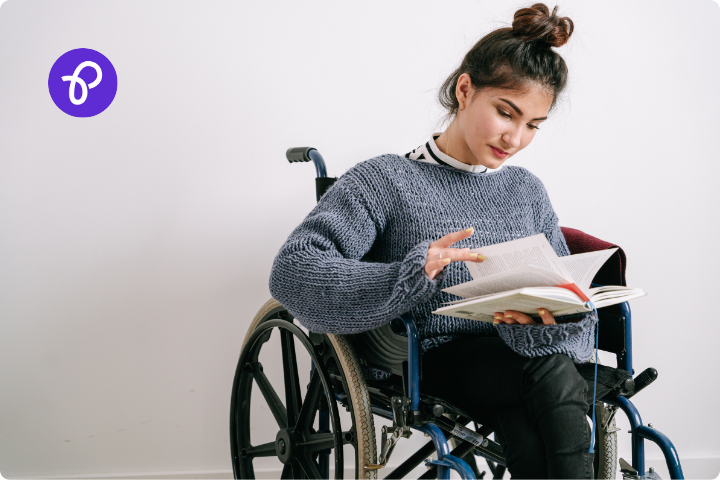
[[430, 153]]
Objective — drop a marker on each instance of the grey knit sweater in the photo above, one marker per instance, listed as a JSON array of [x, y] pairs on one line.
[[357, 261]]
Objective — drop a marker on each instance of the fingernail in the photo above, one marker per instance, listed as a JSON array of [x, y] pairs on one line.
[[498, 318], [495, 321], [508, 316], [542, 312], [446, 260], [469, 230], [474, 255], [481, 257]]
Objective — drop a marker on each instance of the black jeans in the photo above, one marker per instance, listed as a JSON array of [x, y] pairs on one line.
[[536, 406]]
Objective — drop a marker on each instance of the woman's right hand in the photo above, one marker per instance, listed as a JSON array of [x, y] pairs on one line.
[[440, 254]]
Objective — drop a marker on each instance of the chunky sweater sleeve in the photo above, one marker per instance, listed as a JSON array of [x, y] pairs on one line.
[[320, 276], [576, 339]]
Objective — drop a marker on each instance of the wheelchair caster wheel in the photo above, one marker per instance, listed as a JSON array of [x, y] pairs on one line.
[[308, 437]]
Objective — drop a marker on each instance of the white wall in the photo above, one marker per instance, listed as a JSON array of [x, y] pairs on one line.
[[135, 246]]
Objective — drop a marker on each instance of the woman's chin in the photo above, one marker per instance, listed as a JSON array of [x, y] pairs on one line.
[[493, 162]]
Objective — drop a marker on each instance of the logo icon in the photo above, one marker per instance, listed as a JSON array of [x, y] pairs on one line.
[[82, 82]]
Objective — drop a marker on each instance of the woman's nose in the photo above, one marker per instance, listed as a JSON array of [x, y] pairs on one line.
[[513, 137]]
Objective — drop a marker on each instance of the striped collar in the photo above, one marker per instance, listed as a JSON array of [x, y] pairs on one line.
[[430, 153]]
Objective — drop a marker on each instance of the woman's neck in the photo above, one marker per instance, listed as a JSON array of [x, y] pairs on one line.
[[451, 143]]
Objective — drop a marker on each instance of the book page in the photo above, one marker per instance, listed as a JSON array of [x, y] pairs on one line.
[[520, 301], [528, 276], [557, 293], [612, 295], [583, 266], [502, 257]]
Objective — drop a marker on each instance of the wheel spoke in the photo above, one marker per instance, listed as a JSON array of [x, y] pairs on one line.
[[264, 450], [318, 441], [309, 467], [297, 470], [287, 472], [292, 380], [276, 406], [309, 406]]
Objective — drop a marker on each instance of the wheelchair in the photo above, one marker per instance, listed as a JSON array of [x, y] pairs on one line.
[[311, 427]]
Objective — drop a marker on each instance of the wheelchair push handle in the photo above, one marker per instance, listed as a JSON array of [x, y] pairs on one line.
[[305, 154], [298, 154]]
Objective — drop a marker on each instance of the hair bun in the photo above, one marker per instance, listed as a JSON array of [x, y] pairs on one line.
[[537, 23]]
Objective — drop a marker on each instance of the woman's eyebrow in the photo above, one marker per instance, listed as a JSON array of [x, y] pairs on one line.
[[518, 110]]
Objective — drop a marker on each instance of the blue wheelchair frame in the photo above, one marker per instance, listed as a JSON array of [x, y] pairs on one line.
[[640, 432], [445, 461]]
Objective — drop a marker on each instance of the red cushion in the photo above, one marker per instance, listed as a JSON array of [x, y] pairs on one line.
[[613, 272]]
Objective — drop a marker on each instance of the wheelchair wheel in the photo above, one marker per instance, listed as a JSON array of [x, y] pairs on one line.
[[309, 432], [606, 461]]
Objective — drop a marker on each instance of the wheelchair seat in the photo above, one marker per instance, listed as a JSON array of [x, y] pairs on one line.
[[384, 349]]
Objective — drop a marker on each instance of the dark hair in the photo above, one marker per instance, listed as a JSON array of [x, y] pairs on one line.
[[514, 57]]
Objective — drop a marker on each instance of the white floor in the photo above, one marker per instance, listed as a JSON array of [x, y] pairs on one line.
[[693, 468]]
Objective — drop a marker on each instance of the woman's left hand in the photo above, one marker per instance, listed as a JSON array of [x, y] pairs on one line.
[[511, 316]]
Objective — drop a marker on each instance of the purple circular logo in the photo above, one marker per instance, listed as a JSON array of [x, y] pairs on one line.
[[82, 82]]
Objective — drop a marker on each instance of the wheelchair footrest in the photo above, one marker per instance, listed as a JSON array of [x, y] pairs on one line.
[[629, 473]]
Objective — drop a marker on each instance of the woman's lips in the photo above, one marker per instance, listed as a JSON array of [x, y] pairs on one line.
[[499, 153]]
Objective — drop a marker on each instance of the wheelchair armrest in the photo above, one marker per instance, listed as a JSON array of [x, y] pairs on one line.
[[383, 348], [413, 361], [616, 332]]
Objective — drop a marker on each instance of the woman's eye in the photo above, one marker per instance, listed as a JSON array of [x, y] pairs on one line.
[[507, 115]]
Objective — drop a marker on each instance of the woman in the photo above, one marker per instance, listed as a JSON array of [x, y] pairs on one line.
[[393, 231]]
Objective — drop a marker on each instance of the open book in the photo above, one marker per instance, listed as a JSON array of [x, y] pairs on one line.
[[525, 275]]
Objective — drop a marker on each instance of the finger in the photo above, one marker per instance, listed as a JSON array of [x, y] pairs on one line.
[[498, 317], [508, 318], [439, 263], [476, 257], [457, 254], [452, 253], [519, 317], [450, 238], [546, 316], [463, 254]]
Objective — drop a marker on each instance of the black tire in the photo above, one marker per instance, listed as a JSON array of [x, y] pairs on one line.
[[606, 460], [298, 445]]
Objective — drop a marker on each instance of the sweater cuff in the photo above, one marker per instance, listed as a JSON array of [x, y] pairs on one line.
[[576, 340], [413, 280]]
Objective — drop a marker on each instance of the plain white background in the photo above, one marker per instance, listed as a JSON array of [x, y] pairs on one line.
[[135, 246]]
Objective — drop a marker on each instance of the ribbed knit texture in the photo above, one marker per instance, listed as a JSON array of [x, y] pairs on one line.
[[357, 260]]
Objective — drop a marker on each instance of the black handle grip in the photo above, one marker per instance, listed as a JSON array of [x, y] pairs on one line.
[[644, 379], [298, 154]]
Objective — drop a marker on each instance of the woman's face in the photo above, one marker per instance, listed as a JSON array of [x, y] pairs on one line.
[[493, 125]]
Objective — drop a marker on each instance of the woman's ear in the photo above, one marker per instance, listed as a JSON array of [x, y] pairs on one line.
[[463, 90]]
